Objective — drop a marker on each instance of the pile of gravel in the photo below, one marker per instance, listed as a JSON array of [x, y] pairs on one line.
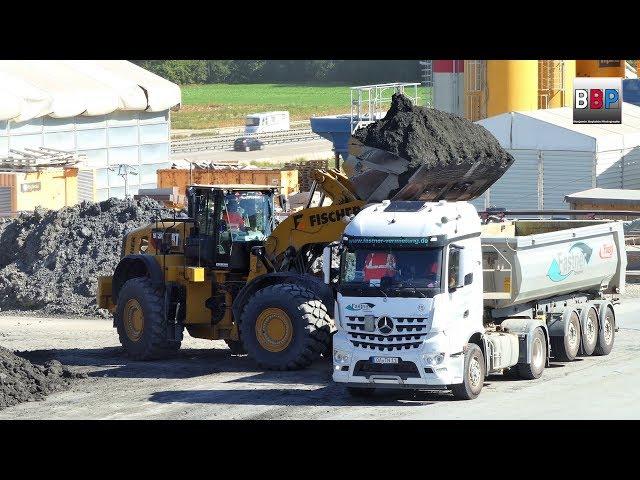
[[50, 260], [430, 137], [22, 381]]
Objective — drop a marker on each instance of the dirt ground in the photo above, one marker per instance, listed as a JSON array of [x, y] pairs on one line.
[[204, 381]]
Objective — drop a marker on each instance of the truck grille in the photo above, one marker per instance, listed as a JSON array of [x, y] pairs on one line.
[[403, 369], [407, 333]]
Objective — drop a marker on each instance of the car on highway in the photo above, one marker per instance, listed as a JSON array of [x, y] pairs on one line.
[[244, 144]]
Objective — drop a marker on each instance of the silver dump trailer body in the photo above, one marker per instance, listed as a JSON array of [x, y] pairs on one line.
[[530, 260]]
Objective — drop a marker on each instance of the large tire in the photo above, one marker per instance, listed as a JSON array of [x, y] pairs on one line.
[[565, 348], [140, 321], [590, 332], [533, 370], [285, 327], [473, 376], [606, 334], [236, 347]]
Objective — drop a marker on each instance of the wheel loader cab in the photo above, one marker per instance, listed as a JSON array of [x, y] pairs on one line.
[[228, 223]]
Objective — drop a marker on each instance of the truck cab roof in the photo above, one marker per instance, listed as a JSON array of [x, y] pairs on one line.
[[415, 219]]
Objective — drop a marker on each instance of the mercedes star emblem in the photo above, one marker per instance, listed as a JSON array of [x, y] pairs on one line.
[[385, 325]]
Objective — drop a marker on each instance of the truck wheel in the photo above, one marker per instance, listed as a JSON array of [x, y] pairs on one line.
[[590, 332], [140, 321], [606, 334], [236, 347], [285, 327], [474, 372], [533, 370], [566, 348], [361, 392]]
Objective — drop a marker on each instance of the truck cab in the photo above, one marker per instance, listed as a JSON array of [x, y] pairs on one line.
[[410, 296]]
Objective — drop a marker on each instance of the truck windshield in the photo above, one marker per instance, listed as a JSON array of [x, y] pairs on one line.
[[395, 270], [252, 121]]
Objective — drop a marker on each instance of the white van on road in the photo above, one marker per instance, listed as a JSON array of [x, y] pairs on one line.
[[267, 122]]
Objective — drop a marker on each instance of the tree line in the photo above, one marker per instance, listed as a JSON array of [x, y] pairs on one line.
[[354, 72]]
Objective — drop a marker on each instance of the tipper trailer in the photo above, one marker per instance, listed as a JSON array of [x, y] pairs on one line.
[[430, 298]]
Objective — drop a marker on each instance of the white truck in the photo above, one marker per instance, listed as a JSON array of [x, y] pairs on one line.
[[267, 122], [430, 298]]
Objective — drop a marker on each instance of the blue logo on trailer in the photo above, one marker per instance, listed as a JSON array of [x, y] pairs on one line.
[[572, 262]]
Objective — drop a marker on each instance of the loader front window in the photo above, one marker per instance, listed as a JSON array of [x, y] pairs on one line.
[[244, 216]]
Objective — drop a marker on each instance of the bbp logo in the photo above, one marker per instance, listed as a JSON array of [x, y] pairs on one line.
[[597, 100]]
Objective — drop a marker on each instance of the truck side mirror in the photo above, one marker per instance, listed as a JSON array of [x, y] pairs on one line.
[[329, 273], [453, 268]]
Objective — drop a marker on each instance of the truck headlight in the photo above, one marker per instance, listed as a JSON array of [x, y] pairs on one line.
[[433, 358], [340, 356]]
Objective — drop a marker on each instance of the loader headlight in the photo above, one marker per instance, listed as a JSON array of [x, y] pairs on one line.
[[340, 356], [433, 358]]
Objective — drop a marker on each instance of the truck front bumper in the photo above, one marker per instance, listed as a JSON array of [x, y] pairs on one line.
[[412, 371]]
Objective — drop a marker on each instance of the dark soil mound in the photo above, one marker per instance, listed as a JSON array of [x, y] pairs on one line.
[[22, 381], [428, 136], [50, 260]]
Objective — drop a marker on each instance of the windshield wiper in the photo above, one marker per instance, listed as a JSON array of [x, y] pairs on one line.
[[362, 289], [412, 286], [382, 290]]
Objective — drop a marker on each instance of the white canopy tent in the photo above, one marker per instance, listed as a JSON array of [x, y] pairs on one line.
[[61, 89], [554, 157]]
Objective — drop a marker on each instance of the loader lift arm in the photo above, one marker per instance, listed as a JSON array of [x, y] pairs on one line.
[[307, 231]]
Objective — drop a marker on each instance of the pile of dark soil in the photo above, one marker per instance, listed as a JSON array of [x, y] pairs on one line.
[[50, 260], [428, 136], [22, 381]]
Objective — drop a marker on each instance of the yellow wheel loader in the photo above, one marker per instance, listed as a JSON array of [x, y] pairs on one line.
[[227, 272]]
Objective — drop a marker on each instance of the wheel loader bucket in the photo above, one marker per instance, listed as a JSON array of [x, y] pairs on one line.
[[379, 175]]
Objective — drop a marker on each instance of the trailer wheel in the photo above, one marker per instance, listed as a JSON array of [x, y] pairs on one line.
[[473, 376], [606, 334], [140, 321], [565, 348], [533, 370], [590, 332], [361, 392], [285, 327]]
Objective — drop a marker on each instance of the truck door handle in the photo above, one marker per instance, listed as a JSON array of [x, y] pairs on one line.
[[465, 314]]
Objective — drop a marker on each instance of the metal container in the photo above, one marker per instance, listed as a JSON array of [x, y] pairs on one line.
[[52, 188], [528, 260], [181, 178]]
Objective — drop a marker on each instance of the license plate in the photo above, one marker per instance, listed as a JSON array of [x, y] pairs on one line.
[[385, 360]]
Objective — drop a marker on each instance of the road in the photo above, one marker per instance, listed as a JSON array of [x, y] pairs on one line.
[[312, 150], [205, 382]]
